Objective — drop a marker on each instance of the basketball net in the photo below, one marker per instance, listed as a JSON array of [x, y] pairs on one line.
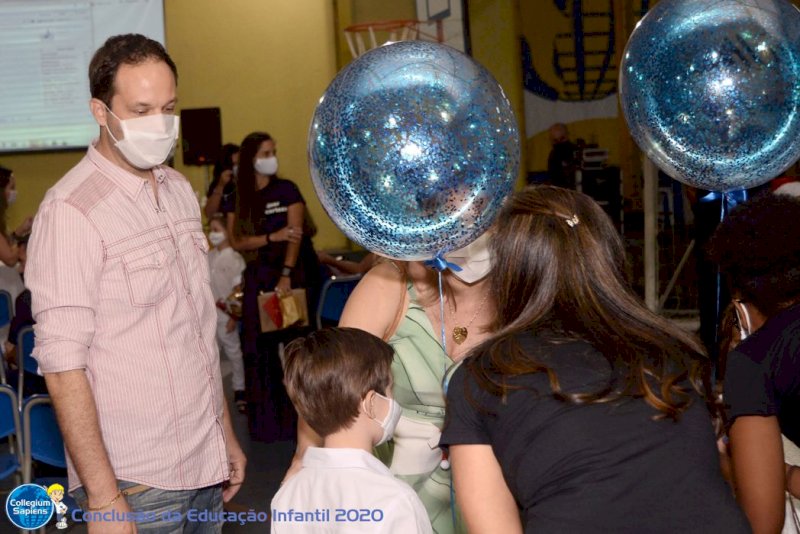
[[368, 35]]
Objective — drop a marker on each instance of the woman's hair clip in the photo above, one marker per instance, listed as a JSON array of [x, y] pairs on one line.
[[572, 221]]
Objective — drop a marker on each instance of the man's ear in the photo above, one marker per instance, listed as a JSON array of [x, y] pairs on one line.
[[99, 112]]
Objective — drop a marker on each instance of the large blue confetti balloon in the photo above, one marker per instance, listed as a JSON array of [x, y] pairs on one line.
[[711, 90], [412, 149]]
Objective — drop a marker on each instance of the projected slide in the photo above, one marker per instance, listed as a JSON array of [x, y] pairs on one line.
[[45, 49]]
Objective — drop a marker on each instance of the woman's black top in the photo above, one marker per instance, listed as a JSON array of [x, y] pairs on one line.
[[762, 376], [605, 467]]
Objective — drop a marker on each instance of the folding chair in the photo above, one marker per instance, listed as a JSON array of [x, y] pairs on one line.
[[334, 295]]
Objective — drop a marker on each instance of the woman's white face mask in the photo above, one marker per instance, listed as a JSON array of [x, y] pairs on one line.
[[147, 141], [266, 166], [216, 238], [474, 260], [743, 319]]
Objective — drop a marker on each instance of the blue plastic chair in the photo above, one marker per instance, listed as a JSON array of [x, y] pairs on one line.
[[334, 295], [10, 462], [41, 436], [6, 314], [43, 443], [6, 308], [25, 343]]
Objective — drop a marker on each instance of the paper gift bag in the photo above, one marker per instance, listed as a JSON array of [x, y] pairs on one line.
[[277, 313]]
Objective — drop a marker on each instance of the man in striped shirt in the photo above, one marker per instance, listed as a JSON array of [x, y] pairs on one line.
[[125, 317]]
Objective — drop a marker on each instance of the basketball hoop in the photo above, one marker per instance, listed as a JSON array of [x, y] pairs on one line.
[[384, 31]]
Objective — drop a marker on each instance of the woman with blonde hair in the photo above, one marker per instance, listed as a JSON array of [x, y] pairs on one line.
[[584, 409]]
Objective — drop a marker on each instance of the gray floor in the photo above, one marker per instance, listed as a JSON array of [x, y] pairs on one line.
[[266, 464]]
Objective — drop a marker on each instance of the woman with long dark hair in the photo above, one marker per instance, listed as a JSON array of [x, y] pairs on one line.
[[8, 195], [584, 409], [221, 194], [269, 225]]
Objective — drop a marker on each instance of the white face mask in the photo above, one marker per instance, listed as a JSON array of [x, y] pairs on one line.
[[147, 141], [266, 166], [743, 318], [12, 197], [216, 238], [390, 421], [474, 260], [235, 170]]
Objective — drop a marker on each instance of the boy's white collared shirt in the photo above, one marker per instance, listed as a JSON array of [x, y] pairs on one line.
[[346, 490]]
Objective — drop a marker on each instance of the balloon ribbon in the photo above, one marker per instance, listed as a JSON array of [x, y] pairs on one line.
[[440, 264]]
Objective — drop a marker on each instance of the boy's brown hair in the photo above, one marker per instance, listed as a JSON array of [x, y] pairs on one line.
[[329, 372]]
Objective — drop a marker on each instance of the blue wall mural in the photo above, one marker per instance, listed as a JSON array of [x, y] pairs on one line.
[[568, 60], [583, 57]]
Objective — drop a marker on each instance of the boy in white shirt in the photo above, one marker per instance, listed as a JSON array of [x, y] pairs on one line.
[[339, 380], [226, 267]]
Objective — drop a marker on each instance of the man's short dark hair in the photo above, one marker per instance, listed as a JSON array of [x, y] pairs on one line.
[[128, 49], [329, 372], [757, 248]]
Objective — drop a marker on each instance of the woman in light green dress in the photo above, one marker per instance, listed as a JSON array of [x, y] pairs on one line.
[[400, 303]]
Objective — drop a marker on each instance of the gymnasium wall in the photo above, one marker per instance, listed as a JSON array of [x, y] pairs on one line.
[[265, 64]]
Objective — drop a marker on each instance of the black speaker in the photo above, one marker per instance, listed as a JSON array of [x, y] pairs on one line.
[[202, 135]]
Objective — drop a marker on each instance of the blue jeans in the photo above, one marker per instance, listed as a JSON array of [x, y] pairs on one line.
[[160, 511]]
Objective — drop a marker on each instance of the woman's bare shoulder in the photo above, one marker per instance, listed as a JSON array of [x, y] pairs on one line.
[[375, 301], [383, 280]]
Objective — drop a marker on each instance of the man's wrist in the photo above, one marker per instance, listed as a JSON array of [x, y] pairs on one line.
[[101, 493], [98, 505]]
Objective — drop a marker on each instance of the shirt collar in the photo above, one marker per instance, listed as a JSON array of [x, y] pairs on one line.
[[131, 184], [317, 457]]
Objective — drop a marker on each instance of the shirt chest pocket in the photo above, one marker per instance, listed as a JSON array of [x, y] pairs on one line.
[[147, 275], [199, 247]]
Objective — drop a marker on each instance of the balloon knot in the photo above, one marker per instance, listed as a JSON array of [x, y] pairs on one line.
[[441, 264]]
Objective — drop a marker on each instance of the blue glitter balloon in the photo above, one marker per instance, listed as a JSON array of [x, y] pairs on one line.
[[412, 149], [711, 88]]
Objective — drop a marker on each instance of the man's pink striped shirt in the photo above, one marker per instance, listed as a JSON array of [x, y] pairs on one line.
[[120, 287]]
